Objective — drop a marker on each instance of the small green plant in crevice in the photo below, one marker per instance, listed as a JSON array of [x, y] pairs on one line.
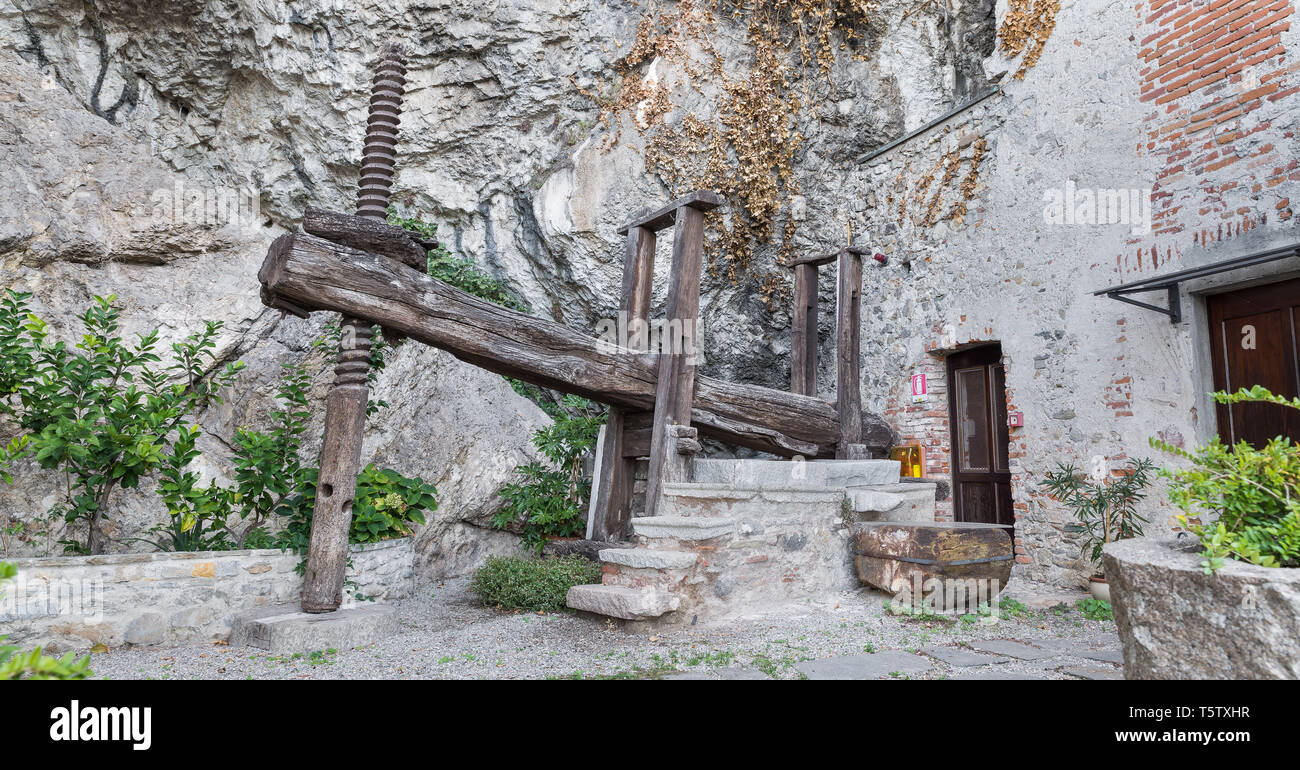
[[105, 413], [458, 272], [1251, 494], [551, 501], [1096, 609], [539, 585], [1012, 608], [1106, 510]]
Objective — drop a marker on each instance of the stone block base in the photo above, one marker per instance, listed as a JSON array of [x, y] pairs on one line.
[[287, 629]]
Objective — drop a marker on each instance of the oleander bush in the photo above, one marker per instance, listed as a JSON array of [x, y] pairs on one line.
[[551, 501], [1242, 503], [510, 582]]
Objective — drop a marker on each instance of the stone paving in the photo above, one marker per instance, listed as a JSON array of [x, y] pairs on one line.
[[445, 633]]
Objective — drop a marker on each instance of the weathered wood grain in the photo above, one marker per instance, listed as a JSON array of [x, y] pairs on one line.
[[315, 274], [368, 235], [803, 332], [658, 219], [848, 351]]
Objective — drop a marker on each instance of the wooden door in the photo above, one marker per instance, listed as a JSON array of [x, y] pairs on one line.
[[981, 478], [1254, 337]]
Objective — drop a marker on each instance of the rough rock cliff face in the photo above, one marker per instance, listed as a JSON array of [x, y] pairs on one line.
[[113, 112]]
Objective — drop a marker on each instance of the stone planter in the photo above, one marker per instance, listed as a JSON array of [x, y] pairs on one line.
[[1176, 622]]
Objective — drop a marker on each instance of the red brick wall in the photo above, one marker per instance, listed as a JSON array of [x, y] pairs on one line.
[[1213, 74]]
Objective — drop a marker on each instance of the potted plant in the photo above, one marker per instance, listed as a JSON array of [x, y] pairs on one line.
[[1106, 509]]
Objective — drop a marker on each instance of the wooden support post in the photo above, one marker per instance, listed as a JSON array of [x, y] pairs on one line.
[[848, 349], [345, 408], [616, 469], [675, 389], [803, 332]]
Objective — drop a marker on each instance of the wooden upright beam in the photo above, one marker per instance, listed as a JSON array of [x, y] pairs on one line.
[[803, 332], [616, 474], [675, 389], [848, 350], [345, 407]]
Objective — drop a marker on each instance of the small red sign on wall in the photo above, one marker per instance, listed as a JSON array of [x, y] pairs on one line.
[[919, 387]]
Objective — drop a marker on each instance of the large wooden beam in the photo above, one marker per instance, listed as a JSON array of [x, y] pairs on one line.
[[315, 274], [848, 352]]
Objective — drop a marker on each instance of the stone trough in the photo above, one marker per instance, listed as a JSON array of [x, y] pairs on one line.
[[1176, 622], [901, 557]]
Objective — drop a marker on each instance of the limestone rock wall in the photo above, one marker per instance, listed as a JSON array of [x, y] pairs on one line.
[[154, 150]]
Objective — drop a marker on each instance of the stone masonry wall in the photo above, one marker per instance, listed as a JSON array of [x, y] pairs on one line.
[[1196, 102], [75, 602]]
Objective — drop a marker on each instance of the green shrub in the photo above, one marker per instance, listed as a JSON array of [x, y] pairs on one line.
[[531, 584], [387, 506], [458, 272], [1107, 510], [1252, 494], [34, 664], [552, 501], [103, 413]]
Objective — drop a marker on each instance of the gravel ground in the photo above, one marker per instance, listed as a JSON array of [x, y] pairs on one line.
[[448, 635]]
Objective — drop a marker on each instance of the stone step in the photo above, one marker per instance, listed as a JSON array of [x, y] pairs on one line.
[[622, 602], [649, 558], [904, 501], [688, 528], [783, 474]]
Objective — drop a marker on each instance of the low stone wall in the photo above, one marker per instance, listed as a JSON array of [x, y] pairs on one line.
[[76, 602], [1176, 622]]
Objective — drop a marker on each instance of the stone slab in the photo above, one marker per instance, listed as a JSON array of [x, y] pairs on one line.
[[994, 674], [1093, 672], [622, 601], [869, 666], [961, 657], [683, 527], [287, 629], [794, 473], [649, 558], [904, 501], [1011, 649]]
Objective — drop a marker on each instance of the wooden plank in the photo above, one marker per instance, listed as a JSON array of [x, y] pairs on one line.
[[803, 332], [658, 219], [612, 508], [316, 274], [638, 284], [826, 259], [848, 347], [675, 388], [368, 235]]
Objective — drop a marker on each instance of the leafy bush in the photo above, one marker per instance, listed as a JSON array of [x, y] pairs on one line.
[[458, 272], [386, 506], [1253, 494], [552, 501], [1106, 510], [531, 584], [34, 664], [103, 414]]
